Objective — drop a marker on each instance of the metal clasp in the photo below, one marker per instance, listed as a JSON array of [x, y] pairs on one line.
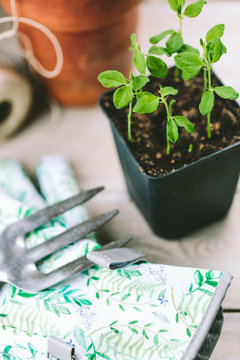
[[58, 349]]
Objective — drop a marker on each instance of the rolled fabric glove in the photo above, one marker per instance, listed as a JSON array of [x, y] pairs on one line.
[[61, 184], [57, 182], [15, 182]]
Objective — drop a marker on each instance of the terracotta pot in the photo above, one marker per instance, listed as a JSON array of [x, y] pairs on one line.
[[94, 35]]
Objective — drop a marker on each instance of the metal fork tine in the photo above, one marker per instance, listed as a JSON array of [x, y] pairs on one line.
[[42, 216], [72, 235], [80, 264]]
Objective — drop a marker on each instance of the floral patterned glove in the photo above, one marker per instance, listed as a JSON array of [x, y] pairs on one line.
[[145, 311]]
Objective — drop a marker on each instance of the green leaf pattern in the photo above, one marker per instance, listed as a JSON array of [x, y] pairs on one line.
[[146, 311], [174, 310]]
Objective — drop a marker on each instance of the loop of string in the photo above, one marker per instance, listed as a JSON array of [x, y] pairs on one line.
[[28, 52]]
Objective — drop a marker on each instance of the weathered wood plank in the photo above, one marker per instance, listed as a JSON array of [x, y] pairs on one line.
[[228, 346]]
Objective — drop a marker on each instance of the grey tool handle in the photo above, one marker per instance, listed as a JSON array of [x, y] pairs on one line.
[[116, 258]]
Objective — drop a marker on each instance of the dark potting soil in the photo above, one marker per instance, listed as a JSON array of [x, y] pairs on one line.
[[148, 131]]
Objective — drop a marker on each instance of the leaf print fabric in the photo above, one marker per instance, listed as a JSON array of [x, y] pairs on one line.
[[142, 312]]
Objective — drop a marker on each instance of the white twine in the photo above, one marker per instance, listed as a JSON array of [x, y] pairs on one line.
[[28, 52]]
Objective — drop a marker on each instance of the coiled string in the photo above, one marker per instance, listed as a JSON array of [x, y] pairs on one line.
[[28, 52]]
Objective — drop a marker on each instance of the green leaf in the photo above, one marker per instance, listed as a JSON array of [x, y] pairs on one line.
[[32, 349], [157, 67], [125, 297], [177, 317], [3, 315], [141, 94], [139, 61], [191, 287], [146, 104], [62, 289], [194, 9], [155, 339], [212, 283], [158, 50], [226, 92], [133, 40], [64, 310], [25, 294], [173, 4], [188, 62], [139, 82], [198, 277], [163, 292], [155, 39], [114, 322], [186, 75], [169, 90], [55, 309], [188, 332], [111, 78], [190, 49], [207, 102], [149, 324], [210, 274], [184, 122], [12, 290], [133, 322], [85, 301], [194, 326], [121, 307], [7, 349], [145, 334], [172, 130], [133, 330], [136, 272], [122, 97], [6, 357], [215, 32], [174, 43], [207, 292], [104, 356], [90, 346], [214, 49]]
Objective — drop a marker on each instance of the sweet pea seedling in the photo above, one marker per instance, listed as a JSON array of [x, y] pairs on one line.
[[127, 89], [191, 64], [148, 103], [175, 43]]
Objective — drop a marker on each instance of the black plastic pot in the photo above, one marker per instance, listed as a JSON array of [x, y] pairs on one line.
[[184, 200]]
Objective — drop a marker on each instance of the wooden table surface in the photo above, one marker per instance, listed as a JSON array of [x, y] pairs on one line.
[[84, 137]]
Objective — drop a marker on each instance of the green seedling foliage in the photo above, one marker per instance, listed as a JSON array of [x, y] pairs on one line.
[[122, 97], [157, 67], [174, 43], [127, 89], [148, 103], [194, 9], [192, 63], [187, 59]]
